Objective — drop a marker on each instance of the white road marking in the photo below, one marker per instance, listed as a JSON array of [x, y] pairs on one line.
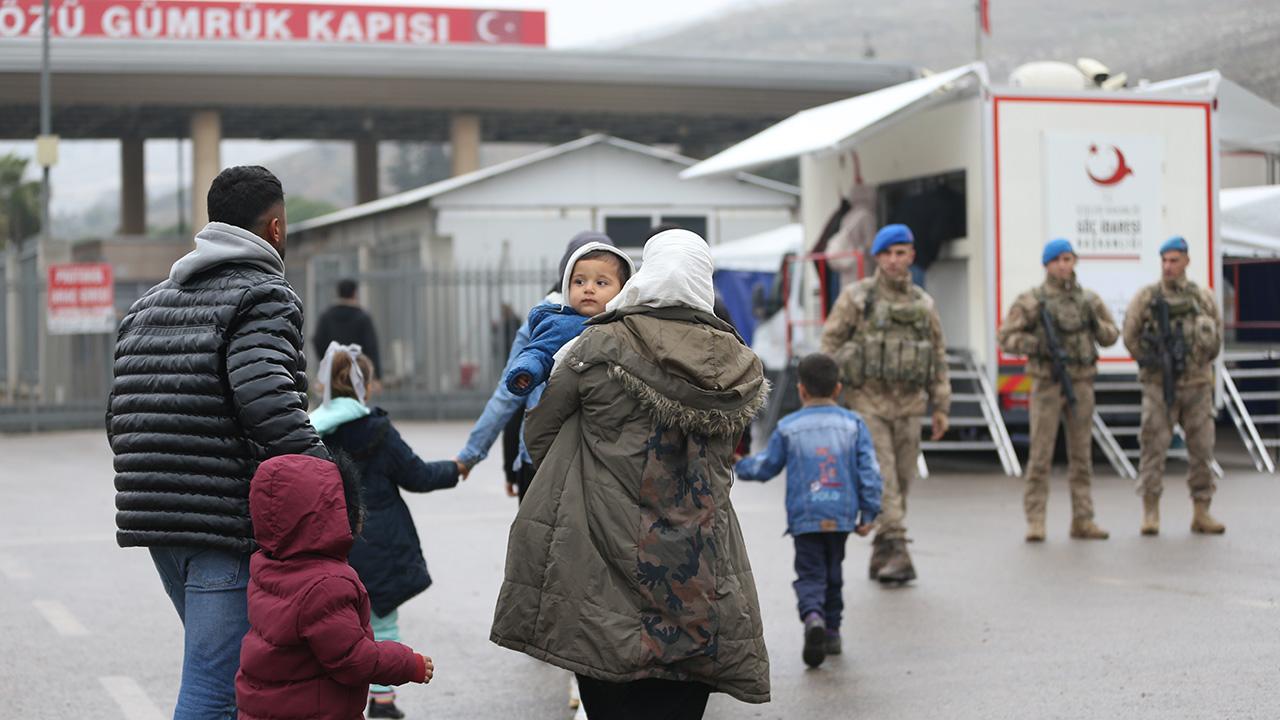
[[60, 618], [131, 698], [14, 568]]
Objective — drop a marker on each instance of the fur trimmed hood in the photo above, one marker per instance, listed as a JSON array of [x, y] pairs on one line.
[[689, 419], [691, 373]]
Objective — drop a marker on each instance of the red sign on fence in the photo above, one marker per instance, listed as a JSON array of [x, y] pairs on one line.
[[274, 22], [81, 299]]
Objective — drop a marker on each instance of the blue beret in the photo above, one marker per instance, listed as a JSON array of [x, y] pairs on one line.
[[1056, 247], [892, 235], [1177, 242]]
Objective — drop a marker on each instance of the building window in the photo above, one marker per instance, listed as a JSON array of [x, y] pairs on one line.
[[631, 231], [692, 223], [628, 231]]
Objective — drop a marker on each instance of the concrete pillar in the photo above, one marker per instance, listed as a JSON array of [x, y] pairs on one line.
[[464, 137], [206, 162], [366, 170], [133, 187]]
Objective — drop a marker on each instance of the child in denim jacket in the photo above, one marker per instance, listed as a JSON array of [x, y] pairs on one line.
[[833, 488]]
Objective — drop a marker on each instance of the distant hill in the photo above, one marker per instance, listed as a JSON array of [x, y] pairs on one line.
[[1155, 39], [322, 174]]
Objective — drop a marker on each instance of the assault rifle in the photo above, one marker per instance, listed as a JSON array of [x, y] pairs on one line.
[[1058, 356], [1170, 347]]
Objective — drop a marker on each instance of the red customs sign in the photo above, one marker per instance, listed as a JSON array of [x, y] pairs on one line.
[[273, 22], [81, 299]]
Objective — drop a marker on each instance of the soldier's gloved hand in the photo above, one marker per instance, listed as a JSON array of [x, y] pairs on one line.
[[940, 425]]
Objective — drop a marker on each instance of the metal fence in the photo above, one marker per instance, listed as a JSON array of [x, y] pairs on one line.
[[443, 335]]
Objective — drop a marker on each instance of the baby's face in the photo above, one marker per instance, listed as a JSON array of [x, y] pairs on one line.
[[593, 284]]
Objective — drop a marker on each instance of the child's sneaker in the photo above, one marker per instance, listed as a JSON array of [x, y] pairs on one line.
[[815, 640], [833, 642], [386, 709]]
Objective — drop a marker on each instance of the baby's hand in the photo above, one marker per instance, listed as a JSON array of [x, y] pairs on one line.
[[522, 380], [431, 668], [863, 530]]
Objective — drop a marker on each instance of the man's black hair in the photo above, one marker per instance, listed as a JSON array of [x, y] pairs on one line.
[[241, 195], [624, 271], [351, 489], [346, 288], [819, 375]]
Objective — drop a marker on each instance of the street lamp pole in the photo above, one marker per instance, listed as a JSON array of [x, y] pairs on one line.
[[46, 123]]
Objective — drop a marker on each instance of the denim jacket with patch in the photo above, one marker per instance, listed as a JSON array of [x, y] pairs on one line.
[[833, 478]]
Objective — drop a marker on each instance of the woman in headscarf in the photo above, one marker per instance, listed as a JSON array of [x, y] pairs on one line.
[[626, 563]]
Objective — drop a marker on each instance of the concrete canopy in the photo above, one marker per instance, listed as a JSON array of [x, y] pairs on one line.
[[113, 88]]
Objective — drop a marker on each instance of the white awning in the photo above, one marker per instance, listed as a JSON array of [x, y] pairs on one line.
[[832, 126], [1250, 221], [1245, 121], [759, 253]]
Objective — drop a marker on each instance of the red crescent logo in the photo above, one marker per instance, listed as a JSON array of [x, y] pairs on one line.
[[1122, 168]]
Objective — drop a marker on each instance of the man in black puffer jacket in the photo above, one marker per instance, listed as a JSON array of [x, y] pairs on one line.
[[209, 382]]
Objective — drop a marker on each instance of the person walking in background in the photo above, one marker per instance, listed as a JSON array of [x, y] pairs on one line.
[[505, 410], [208, 382], [387, 554], [1062, 360], [833, 489], [346, 323], [885, 334], [626, 563], [1174, 330], [310, 653]]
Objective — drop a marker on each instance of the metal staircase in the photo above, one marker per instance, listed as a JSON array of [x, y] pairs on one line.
[[1252, 383], [1117, 424], [976, 424]]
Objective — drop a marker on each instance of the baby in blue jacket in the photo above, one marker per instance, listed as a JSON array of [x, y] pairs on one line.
[[593, 276], [833, 488]]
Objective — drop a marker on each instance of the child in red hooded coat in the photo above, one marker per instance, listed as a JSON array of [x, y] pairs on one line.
[[310, 652]]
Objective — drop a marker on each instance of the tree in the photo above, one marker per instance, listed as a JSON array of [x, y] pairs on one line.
[[19, 201], [299, 208]]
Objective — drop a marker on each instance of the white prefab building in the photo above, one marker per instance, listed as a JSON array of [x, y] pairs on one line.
[[520, 213], [447, 270]]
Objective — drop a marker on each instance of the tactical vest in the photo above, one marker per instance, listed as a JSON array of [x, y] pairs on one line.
[[1074, 322], [1189, 323], [892, 344]]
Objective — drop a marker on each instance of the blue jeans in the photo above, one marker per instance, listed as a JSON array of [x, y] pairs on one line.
[[208, 589], [819, 581]]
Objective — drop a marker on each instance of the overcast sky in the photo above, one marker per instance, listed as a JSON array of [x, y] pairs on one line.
[[87, 170]]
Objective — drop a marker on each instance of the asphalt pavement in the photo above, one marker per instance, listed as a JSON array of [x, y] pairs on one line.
[[1177, 626]]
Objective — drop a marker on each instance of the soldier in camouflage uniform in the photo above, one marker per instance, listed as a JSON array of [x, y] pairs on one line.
[[885, 334], [1081, 322], [1183, 348]]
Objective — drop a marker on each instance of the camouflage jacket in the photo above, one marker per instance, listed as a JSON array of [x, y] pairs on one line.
[[626, 560], [1203, 330], [1022, 333], [876, 397]]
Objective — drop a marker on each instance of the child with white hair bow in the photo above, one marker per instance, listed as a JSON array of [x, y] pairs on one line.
[[387, 465]]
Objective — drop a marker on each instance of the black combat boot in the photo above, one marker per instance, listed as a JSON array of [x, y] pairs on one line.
[[897, 569]]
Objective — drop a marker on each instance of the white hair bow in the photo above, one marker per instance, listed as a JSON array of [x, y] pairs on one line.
[[325, 372]]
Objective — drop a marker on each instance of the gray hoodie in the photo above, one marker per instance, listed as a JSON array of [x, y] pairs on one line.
[[220, 244]]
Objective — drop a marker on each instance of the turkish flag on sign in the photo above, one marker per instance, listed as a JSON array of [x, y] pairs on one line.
[[495, 26], [985, 10]]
